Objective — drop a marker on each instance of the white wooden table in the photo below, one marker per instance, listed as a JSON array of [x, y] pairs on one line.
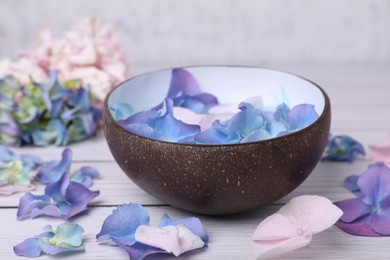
[[360, 98]]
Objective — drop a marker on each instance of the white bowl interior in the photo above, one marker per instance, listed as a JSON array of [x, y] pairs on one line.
[[230, 85]]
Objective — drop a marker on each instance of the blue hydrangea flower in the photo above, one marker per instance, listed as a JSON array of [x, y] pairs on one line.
[[49, 113], [160, 125], [342, 148], [62, 199], [369, 213], [129, 222], [52, 171], [185, 92], [66, 238]]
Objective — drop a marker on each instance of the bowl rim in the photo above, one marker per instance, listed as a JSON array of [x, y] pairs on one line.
[[326, 106]]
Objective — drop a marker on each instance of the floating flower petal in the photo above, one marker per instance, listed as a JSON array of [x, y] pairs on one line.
[[369, 213], [293, 225], [342, 148], [66, 238]]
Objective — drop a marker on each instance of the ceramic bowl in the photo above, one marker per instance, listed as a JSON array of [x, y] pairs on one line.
[[220, 179]]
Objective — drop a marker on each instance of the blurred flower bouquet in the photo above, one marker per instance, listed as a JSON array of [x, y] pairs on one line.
[[51, 95]]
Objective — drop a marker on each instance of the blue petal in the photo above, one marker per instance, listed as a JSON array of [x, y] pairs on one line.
[[302, 116], [139, 251], [342, 148], [77, 196], [351, 183], [52, 171], [256, 135], [121, 225], [191, 223], [28, 248], [144, 118], [217, 134], [84, 175], [121, 111], [29, 202], [56, 190], [246, 121]]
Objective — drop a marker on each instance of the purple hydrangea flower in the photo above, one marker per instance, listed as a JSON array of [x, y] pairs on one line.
[[185, 92], [62, 199], [342, 148], [369, 213], [160, 125], [128, 228], [66, 238]]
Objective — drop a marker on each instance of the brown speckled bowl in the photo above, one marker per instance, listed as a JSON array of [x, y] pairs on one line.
[[220, 179]]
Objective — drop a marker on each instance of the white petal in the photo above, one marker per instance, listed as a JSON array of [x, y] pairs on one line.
[[274, 227], [267, 249], [173, 239], [11, 189]]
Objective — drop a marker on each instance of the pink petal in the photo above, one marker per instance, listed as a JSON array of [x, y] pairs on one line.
[[11, 189], [380, 154], [173, 239], [274, 227], [311, 213], [187, 116], [267, 249]]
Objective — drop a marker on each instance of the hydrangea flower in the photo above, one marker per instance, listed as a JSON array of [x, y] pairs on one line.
[[90, 52], [185, 92], [62, 199], [50, 113], [160, 125], [369, 213], [52, 171], [14, 178], [66, 238], [293, 226], [342, 148], [128, 228]]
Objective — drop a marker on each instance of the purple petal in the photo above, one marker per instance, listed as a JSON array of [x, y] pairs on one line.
[[199, 103], [84, 175], [351, 183], [182, 81], [121, 225], [191, 223], [217, 134], [359, 227], [54, 250], [342, 148], [57, 190], [29, 202], [49, 210], [52, 171], [353, 209], [375, 184], [140, 251], [380, 223], [28, 248], [302, 116], [77, 196]]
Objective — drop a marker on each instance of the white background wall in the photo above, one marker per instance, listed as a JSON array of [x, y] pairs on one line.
[[182, 32]]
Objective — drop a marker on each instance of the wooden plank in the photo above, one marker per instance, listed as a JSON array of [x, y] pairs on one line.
[[229, 237]]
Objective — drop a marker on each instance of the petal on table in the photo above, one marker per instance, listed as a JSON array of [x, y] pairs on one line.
[[85, 175], [52, 171], [29, 202], [353, 209], [274, 227], [271, 248], [359, 227], [11, 189], [121, 225], [173, 239], [380, 223], [28, 248], [77, 196], [194, 224], [380, 153], [139, 251], [351, 183], [374, 183]]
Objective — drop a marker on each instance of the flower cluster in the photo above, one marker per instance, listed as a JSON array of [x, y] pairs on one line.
[[293, 226], [189, 116], [90, 52], [342, 148], [66, 238], [369, 213], [49, 113], [128, 228]]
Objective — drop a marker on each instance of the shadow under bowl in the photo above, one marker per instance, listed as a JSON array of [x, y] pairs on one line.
[[220, 179]]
